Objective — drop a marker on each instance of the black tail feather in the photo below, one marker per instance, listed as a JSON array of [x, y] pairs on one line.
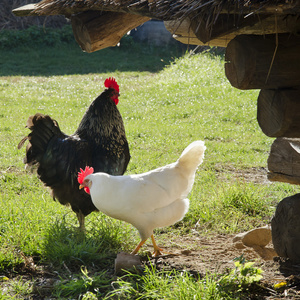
[[43, 129], [22, 142]]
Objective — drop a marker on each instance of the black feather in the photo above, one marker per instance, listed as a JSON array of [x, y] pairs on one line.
[[100, 142]]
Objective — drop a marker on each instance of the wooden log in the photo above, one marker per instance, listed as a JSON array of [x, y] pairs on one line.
[[284, 161], [182, 32], [95, 30], [224, 25], [278, 113], [220, 35], [250, 65]]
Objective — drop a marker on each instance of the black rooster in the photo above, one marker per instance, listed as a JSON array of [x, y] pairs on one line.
[[100, 141]]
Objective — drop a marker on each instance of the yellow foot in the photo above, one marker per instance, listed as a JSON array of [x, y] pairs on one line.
[[157, 252], [162, 253]]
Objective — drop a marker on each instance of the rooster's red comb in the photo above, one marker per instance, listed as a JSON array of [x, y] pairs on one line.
[[83, 173], [111, 83]]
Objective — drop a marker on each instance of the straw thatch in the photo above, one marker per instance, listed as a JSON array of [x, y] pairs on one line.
[[195, 22], [9, 21], [170, 9]]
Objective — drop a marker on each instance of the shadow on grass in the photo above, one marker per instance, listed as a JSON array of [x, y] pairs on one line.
[[66, 246], [70, 59]]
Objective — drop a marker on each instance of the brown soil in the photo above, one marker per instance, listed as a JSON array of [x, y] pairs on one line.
[[201, 255], [216, 254]]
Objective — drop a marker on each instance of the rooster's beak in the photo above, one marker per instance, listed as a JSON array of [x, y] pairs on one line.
[[81, 186]]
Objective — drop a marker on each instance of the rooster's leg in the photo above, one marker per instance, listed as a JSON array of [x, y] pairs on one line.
[[135, 251], [81, 219], [157, 251]]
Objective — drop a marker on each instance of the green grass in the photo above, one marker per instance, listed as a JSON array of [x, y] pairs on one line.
[[155, 284], [165, 107], [31, 52]]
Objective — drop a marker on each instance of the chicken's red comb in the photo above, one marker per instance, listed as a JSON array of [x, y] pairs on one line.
[[83, 173], [111, 83]]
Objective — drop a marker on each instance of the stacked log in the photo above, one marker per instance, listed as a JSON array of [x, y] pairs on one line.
[[278, 112], [263, 62], [271, 63]]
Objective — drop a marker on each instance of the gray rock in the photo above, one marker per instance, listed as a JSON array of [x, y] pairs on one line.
[[126, 261], [286, 228]]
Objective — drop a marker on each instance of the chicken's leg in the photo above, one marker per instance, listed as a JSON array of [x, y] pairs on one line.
[[135, 251], [81, 219], [157, 250]]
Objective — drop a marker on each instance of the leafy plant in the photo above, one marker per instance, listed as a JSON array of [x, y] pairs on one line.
[[241, 277]]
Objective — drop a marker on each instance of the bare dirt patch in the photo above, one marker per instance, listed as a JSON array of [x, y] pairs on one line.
[[254, 175], [215, 254]]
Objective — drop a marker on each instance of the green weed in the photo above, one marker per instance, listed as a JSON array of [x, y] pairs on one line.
[[154, 284]]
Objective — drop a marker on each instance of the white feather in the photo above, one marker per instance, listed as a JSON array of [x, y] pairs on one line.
[[149, 200]]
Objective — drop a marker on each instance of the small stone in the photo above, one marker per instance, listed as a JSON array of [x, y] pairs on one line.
[[126, 261], [265, 253], [256, 237], [239, 245], [238, 237], [186, 252]]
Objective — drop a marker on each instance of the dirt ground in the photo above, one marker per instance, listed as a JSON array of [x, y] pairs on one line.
[[201, 255], [216, 254]]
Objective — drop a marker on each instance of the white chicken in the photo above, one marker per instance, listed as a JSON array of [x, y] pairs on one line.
[[149, 200]]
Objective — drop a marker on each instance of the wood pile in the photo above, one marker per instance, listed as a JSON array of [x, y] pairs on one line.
[[271, 63]]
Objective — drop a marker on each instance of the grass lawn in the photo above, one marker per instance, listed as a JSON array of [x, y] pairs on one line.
[[167, 101]]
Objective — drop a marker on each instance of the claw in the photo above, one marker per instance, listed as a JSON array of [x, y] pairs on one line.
[[158, 252]]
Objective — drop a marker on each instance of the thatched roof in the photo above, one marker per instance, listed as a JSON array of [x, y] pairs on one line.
[[213, 22], [170, 9]]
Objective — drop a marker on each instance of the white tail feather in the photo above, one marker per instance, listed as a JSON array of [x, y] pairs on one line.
[[192, 156]]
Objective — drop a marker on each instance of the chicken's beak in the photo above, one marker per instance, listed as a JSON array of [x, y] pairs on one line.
[[81, 186]]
